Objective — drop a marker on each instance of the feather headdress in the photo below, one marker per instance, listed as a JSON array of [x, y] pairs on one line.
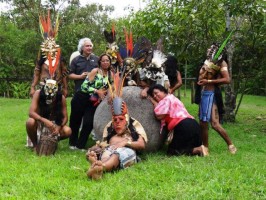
[[154, 70], [133, 55], [216, 51], [118, 105], [112, 47], [49, 48]]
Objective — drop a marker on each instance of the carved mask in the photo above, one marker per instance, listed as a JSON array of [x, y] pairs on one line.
[[50, 90]]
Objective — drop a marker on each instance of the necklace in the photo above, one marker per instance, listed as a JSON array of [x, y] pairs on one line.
[[104, 74]]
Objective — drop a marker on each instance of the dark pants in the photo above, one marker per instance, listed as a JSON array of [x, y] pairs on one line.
[[81, 108], [186, 137]]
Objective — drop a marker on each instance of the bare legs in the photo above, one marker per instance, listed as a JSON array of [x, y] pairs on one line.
[[201, 150], [31, 127], [204, 133], [218, 128]]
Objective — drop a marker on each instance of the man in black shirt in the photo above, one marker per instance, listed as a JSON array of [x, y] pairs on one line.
[[79, 68]]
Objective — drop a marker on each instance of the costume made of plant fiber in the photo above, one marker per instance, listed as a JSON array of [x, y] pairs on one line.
[[47, 143], [112, 49], [127, 156], [184, 128], [152, 70], [134, 130], [42, 68], [133, 56], [50, 102]]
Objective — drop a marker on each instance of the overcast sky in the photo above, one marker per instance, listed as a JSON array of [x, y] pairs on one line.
[[119, 5]]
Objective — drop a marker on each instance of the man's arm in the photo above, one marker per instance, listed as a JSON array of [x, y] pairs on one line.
[[34, 112], [64, 110], [136, 145], [222, 79], [35, 81], [73, 76], [64, 73]]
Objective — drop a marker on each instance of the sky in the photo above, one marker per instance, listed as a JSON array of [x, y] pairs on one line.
[[119, 5]]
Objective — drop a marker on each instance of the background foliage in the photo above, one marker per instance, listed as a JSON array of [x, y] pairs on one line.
[[188, 27]]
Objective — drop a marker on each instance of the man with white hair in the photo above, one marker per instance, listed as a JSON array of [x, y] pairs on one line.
[[79, 68]]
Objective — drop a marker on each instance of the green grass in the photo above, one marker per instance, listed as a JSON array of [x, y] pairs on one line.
[[23, 175]]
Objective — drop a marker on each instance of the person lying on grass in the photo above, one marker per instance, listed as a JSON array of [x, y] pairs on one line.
[[123, 138]]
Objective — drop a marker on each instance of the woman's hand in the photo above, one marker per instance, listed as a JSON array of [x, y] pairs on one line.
[[102, 93], [143, 93], [152, 100]]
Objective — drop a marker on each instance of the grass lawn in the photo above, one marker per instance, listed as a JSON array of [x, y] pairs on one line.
[[23, 175]]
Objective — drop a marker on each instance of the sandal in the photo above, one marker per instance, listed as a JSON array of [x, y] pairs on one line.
[[232, 149]]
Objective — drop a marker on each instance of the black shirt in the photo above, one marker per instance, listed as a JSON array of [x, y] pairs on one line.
[[81, 64]]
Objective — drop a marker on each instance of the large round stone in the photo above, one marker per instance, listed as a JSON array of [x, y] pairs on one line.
[[138, 108]]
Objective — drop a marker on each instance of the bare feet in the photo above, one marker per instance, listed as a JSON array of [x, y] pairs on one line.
[[96, 171], [232, 149], [205, 151], [201, 150], [91, 156]]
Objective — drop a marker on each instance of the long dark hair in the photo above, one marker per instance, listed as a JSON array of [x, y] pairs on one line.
[[100, 58], [171, 69], [158, 87], [133, 132], [51, 111]]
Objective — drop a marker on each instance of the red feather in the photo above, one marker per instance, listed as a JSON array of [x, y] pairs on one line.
[[113, 30], [130, 44], [52, 68]]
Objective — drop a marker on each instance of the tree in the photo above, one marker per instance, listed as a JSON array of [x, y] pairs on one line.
[[190, 26]]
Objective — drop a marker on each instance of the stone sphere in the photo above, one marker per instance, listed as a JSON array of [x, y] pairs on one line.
[[138, 108]]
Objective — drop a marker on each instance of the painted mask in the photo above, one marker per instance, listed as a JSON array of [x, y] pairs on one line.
[[130, 64], [50, 90], [112, 51], [119, 124]]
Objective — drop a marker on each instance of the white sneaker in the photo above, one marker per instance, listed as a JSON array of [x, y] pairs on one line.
[[82, 150], [73, 147]]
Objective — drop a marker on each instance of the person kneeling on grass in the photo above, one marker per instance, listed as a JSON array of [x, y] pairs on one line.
[[123, 137], [184, 137]]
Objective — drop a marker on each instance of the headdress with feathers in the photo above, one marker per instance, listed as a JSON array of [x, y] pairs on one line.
[[133, 55], [153, 68], [112, 47], [118, 105], [216, 51], [49, 48]]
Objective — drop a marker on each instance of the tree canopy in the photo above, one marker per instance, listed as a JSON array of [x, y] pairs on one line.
[[187, 27]]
